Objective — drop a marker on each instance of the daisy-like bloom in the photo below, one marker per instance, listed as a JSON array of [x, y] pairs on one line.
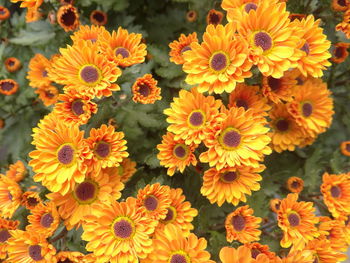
[[108, 148], [214, 17], [10, 196], [242, 225], [323, 252], [272, 45], [16, 171], [8, 86], [125, 170], [340, 52], [191, 16], [314, 45], [275, 204], [4, 13], [123, 235], [281, 89], [295, 184], [240, 139], [335, 193], [68, 17], [30, 247], [74, 108], [123, 48], [219, 62], [171, 246], [89, 72], [44, 219], [86, 33], [257, 249], [297, 221], [231, 184], [312, 107], [285, 132], [248, 97], [78, 203], [58, 159], [69, 257], [38, 71], [241, 255], [301, 256], [344, 26], [178, 47], [5, 234], [333, 230], [180, 213], [98, 18], [30, 199], [191, 114], [145, 90], [48, 94], [12, 64], [340, 5], [175, 155], [345, 148], [154, 200]]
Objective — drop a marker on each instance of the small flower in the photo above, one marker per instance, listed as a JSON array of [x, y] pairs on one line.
[[145, 90], [295, 184], [68, 17], [98, 18], [8, 86], [12, 64], [191, 16], [214, 17], [4, 13], [178, 47], [340, 52]]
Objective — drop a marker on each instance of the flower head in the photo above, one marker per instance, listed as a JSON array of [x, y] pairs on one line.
[[295, 184], [178, 47], [17, 171], [98, 18], [68, 17], [340, 52], [5, 233], [10, 196], [145, 90], [8, 86], [12, 64], [38, 71]]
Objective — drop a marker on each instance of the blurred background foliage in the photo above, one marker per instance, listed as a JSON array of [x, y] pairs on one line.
[[160, 22]]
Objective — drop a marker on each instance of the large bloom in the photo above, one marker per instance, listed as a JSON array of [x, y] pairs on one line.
[[175, 154], [123, 232], [333, 230], [191, 114], [16, 171], [297, 221], [88, 33], [8, 86], [178, 47], [30, 199], [336, 194], [5, 234], [68, 17], [10, 196], [242, 225], [145, 90], [241, 255], [240, 139], [38, 71], [231, 184], [219, 62]]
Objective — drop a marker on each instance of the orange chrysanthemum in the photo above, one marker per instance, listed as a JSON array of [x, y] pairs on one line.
[[171, 246], [191, 114], [5, 234], [78, 203], [241, 255], [323, 252], [44, 219], [68, 17], [191, 16], [180, 213], [344, 26], [248, 97], [275, 204], [86, 32], [75, 108], [301, 256], [314, 45], [178, 47], [154, 200], [257, 249], [12, 64], [175, 155], [69, 257], [58, 159], [231, 184], [312, 107], [35, 4], [89, 72], [123, 235], [123, 48], [108, 148], [48, 94], [33, 15], [214, 17], [340, 52], [345, 148], [4, 13], [297, 221], [340, 5], [30, 199], [219, 62], [336, 194], [98, 17], [333, 230], [30, 247], [125, 170], [145, 90], [8, 86], [272, 38], [240, 139], [10, 196], [16, 171], [295, 184], [38, 71]]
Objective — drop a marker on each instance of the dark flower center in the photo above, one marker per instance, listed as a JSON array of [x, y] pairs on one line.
[[123, 229], [335, 191], [274, 84], [185, 48], [77, 107], [306, 48], [347, 147], [32, 201], [263, 40], [67, 260], [151, 203], [46, 220], [339, 52], [35, 252], [196, 118], [180, 151], [250, 6], [11, 62], [144, 90], [89, 74], [44, 73], [315, 260], [229, 177], [10, 196], [295, 185], [178, 258], [300, 81], [86, 191], [65, 154], [238, 222], [277, 205], [170, 216], [342, 2], [69, 17], [122, 51], [218, 61], [231, 138], [294, 219], [307, 109], [99, 17], [242, 103], [282, 125], [4, 235], [214, 19], [7, 86], [2, 11], [255, 252], [102, 149], [49, 94]]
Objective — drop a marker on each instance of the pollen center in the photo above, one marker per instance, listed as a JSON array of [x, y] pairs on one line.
[[335, 191], [170, 216], [46, 220], [295, 185], [238, 223], [196, 119], [4, 235], [44, 73], [255, 252], [77, 107], [274, 84], [144, 90], [178, 258], [214, 19], [185, 48], [282, 125], [122, 51], [306, 48], [86, 192], [339, 52], [102, 149], [347, 147], [35, 252], [180, 151], [242, 103], [32, 201], [250, 6], [151, 203], [228, 177], [263, 40], [294, 219], [230, 138], [219, 61], [65, 154], [89, 74], [307, 109], [7, 86], [98, 16], [123, 228], [68, 18]]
